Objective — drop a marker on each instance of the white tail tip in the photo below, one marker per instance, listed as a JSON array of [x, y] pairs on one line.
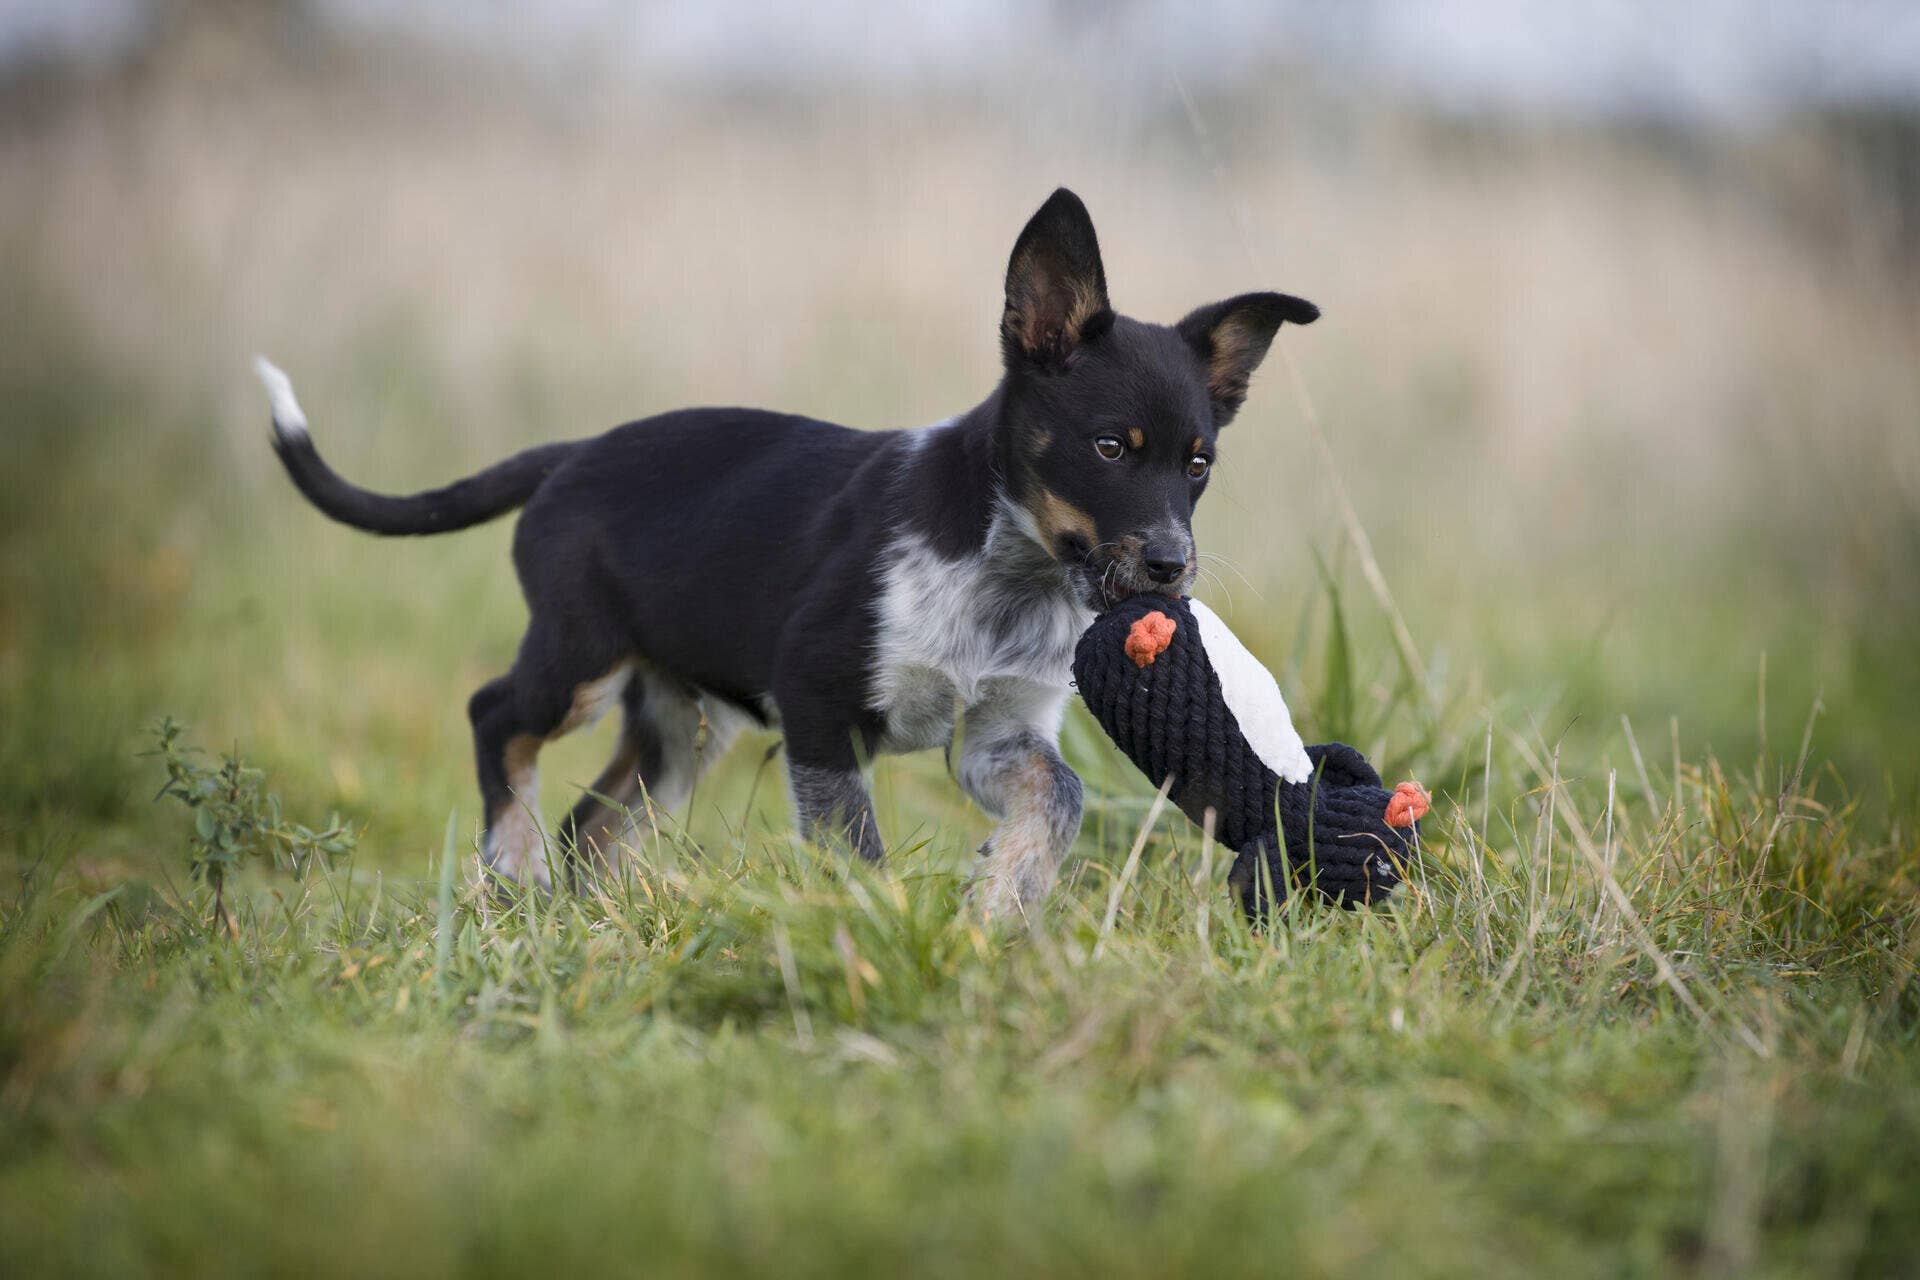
[[288, 420]]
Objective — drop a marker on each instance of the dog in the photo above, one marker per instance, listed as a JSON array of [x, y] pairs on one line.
[[859, 591]]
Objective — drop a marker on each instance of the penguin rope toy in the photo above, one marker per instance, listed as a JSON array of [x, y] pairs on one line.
[[1190, 706]]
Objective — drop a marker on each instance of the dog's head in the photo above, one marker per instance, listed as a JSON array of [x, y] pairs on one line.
[[1108, 425]]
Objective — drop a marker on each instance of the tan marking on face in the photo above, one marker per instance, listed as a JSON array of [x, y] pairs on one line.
[[1199, 444], [1125, 552], [1057, 518], [1032, 444], [1136, 437]]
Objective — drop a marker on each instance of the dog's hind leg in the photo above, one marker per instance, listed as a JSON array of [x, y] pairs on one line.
[[551, 691], [504, 758], [671, 734], [591, 833]]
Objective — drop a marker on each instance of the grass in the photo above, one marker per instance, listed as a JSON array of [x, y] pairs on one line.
[[1669, 1035], [1638, 1013], [1647, 1008]]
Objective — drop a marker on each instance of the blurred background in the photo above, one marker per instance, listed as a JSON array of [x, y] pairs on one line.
[[1620, 362]]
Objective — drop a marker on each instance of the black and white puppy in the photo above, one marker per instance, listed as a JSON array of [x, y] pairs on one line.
[[861, 590]]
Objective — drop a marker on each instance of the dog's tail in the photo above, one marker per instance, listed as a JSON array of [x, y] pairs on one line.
[[464, 503]]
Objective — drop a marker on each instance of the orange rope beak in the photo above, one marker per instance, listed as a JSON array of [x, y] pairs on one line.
[[1408, 804], [1149, 637]]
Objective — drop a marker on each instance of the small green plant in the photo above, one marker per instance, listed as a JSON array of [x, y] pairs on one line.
[[235, 818]]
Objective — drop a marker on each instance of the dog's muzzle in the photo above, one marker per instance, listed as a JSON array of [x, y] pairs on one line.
[[1104, 583]]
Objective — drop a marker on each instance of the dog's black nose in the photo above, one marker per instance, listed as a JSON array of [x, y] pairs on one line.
[[1163, 563]]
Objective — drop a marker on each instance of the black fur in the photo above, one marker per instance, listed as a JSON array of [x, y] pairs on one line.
[[737, 556], [461, 505]]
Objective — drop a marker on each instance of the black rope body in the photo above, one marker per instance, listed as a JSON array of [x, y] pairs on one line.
[[1171, 719]]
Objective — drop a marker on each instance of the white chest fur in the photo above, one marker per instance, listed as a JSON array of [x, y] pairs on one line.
[[948, 627]]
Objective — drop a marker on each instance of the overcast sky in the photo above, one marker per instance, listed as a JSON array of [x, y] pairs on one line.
[[1700, 58]]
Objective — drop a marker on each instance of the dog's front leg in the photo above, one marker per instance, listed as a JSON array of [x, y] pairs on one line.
[[832, 806], [829, 734], [1013, 770]]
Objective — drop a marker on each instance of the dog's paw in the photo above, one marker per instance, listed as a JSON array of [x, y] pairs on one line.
[[515, 854], [997, 900]]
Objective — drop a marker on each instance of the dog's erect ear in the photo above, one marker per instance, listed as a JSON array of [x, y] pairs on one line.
[[1232, 337], [1056, 287]]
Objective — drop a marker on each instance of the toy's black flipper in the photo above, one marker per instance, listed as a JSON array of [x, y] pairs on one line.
[[1339, 765], [1335, 832]]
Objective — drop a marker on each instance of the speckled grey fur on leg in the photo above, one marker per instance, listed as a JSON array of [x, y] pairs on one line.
[[1021, 779]]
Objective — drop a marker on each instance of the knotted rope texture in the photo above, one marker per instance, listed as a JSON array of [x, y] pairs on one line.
[[1149, 683]]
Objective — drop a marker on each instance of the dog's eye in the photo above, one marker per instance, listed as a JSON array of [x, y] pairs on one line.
[[1109, 447], [1197, 465]]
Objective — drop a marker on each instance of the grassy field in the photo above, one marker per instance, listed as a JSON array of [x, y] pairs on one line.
[[1642, 480]]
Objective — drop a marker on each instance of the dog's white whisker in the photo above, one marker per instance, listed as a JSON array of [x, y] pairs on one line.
[[1244, 579], [1218, 581]]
